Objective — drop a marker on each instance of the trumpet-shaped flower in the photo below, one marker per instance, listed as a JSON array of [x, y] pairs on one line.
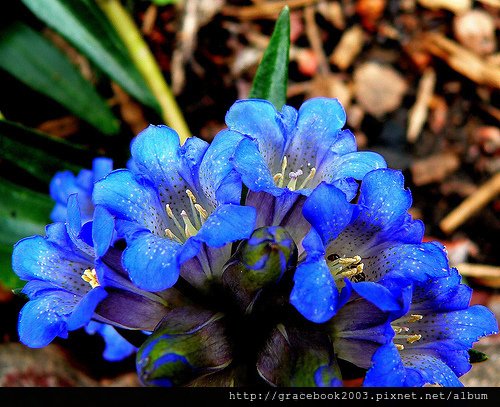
[[365, 242], [65, 284], [282, 156], [432, 336], [65, 183], [171, 226]]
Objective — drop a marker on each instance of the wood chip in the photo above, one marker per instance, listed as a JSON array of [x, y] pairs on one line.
[[378, 88], [332, 12], [264, 9], [455, 6], [348, 48], [434, 168], [462, 60], [478, 270], [475, 30], [471, 205], [314, 37], [417, 115]]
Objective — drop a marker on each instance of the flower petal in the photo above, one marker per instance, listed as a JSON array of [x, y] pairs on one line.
[[251, 165], [384, 202], [124, 198], [218, 180], [43, 319], [259, 120], [228, 223], [38, 258], [415, 261], [314, 293], [318, 125], [103, 230], [83, 311], [152, 261], [328, 211], [387, 368]]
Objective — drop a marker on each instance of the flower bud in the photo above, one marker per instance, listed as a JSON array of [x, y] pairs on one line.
[[260, 261], [188, 343]]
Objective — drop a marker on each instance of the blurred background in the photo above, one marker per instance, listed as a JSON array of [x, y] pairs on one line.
[[419, 80]]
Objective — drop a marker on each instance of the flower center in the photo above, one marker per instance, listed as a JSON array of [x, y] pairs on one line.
[[402, 330], [90, 277], [342, 267], [191, 224], [293, 176]]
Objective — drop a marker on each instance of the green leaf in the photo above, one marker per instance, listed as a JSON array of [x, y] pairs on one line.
[[164, 2], [37, 153], [83, 24], [23, 213], [35, 61], [476, 356], [271, 78]]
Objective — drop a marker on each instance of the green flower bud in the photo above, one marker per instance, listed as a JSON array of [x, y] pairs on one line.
[[189, 343], [298, 358], [260, 261]]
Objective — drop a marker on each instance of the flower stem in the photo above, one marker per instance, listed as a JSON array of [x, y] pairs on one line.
[[147, 65]]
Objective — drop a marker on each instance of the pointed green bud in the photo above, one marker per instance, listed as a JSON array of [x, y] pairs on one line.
[[188, 343], [298, 358], [260, 261]]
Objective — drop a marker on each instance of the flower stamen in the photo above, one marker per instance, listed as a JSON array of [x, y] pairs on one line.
[[202, 212], [399, 346], [293, 179], [172, 236], [415, 318], [342, 267], [90, 276], [177, 224], [189, 229], [311, 175], [192, 202]]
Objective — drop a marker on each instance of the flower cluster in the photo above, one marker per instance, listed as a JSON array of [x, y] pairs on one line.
[[276, 254]]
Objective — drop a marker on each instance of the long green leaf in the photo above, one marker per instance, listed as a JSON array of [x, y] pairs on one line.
[[39, 154], [271, 78], [33, 60], [83, 24], [23, 213]]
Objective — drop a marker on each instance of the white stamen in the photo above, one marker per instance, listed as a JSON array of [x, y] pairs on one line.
[[171, 215], [311, 175], [172, 236], [189, 229]]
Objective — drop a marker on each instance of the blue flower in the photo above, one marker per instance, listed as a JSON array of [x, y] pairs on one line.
[[66, 280], [432, 336], [365, 242], [171, 226], [116, 346], [281, 156], [64, 184]]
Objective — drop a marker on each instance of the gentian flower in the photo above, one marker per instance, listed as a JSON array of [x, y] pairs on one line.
[[66, 284], [65, 183], [277, 254], [62, 186], [282, 156], [432, 336], [116, 346], [366, 242], [171, 226]]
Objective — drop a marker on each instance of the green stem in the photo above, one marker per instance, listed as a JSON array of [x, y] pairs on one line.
[[147, 65]]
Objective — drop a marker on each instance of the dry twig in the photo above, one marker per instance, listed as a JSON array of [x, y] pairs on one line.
[[462, 60], [471, 205], [417, 115]]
